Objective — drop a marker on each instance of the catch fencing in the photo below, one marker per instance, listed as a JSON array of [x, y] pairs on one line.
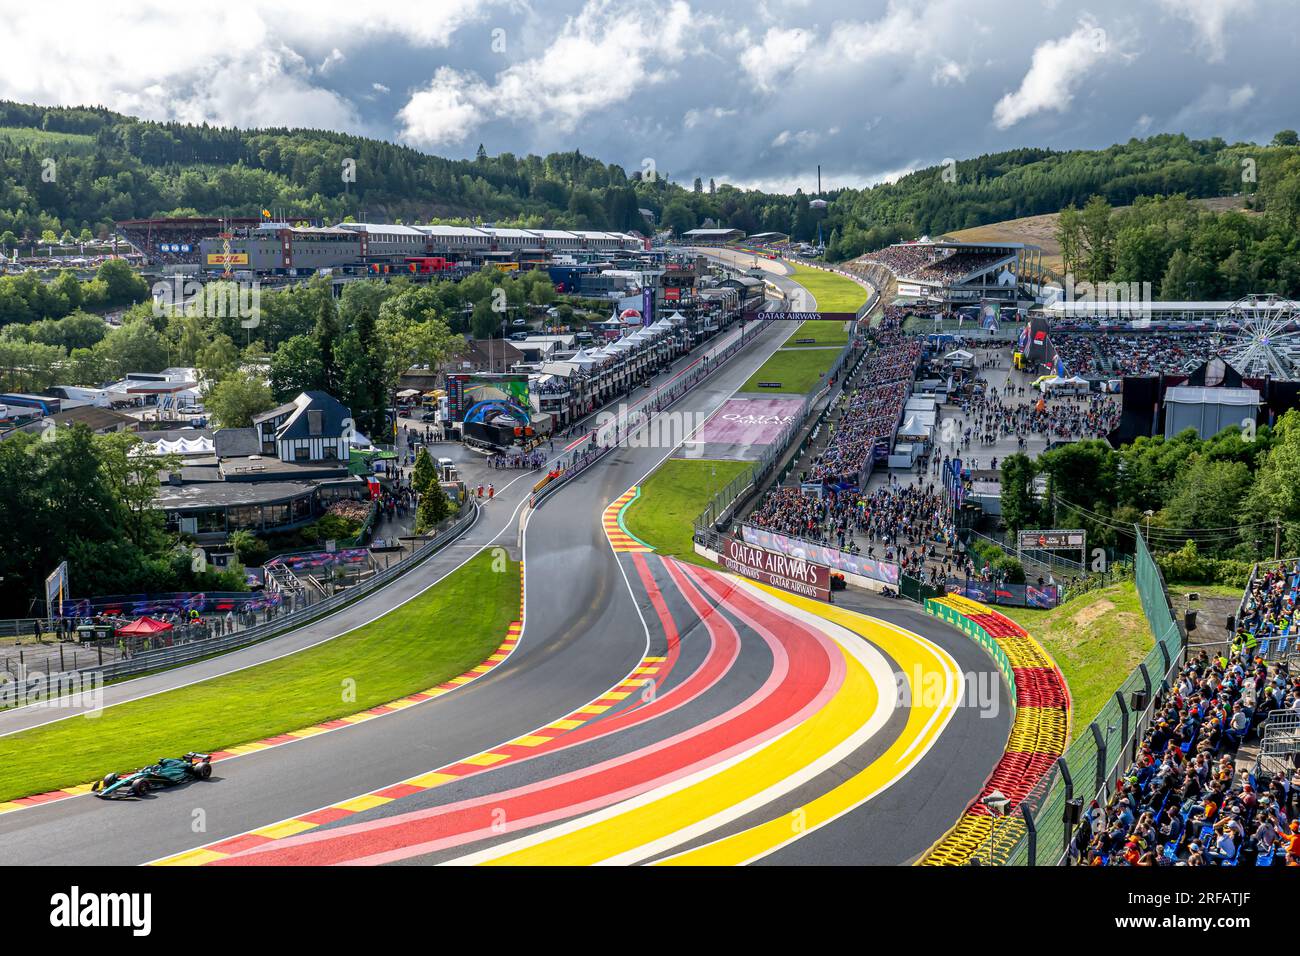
[[23, 687], [1090, 767]]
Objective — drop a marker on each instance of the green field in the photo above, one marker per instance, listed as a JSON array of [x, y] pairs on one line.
[[672, 498], [79, 144], [444, 632], [824, 332], [834, 293], [1097, 639], [798, 371]]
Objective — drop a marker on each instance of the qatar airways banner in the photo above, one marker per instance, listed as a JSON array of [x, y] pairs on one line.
[[803, 316], [779, 570], [820, 554]]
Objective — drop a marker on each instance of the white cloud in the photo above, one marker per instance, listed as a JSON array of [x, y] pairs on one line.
[[803, 138], [334, 59], [768, 62], [1209, 18], [380, 88], [248, 66], [1057, 68], [902, 31], [694, 117], [446, 111], [599, 59], [947, 73]]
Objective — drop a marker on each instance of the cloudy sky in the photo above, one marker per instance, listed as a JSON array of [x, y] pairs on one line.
[[754, 92]]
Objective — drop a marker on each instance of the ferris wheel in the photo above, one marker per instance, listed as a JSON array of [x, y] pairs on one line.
[[1260, 336]]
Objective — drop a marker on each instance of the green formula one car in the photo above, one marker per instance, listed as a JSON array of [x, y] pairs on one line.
[[167, 772]]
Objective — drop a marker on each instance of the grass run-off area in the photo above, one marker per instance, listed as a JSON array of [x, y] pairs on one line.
[[1097, 639], [438, 635], [797, 371], [673, 497], [824, 334], [833, 292]]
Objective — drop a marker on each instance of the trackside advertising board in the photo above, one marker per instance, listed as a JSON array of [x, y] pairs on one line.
[[779, 570]]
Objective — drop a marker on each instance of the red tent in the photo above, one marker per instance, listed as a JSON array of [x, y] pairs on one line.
[[144, 626]]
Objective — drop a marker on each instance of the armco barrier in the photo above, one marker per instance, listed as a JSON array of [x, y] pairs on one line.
[[1040, 728], [43, 686]]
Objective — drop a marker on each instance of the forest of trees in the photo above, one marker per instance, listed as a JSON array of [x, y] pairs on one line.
[[1030, 182], [71, 172], [77, 170]]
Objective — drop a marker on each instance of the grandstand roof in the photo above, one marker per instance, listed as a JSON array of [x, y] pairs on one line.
[[380, 227], [186, 222], [463, 231]]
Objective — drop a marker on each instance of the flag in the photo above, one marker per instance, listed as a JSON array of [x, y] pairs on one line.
[[266, 214]]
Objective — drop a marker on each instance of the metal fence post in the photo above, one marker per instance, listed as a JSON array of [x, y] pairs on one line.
[[1123, 717], [1066, 779], [1031, 833], [1101, 755]]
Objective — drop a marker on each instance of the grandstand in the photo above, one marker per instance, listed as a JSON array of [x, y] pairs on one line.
[[175, 241], [947, 273]]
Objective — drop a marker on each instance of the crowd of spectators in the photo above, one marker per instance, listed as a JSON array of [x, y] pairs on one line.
[[152, 242], [989, 417], [957, 266], [1269, 605], [1180, 802], [903, 524], [906, 259], [1076, 352], [932, 263], [1119, 354], [871, 409]]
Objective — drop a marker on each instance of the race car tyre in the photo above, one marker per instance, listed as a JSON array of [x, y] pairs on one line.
[[204, 770], [139, 787], [109, 780]]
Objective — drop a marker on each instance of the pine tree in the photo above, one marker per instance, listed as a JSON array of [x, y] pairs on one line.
[[434, 506], [423, 475]]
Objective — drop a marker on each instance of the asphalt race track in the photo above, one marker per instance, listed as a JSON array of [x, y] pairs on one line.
[[652, 712]]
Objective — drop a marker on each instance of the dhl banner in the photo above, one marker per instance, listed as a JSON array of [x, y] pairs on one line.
[[228, 258]]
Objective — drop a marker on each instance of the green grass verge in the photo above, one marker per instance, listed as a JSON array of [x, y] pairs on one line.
[[673, 497], [1097, 639], [439, 635], [798, 371], [834, 293], [823, 333]]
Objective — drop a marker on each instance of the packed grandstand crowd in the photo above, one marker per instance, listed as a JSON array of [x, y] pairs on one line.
[[1180, 802], [1119, 354], [1269, 605], [872, 408], [157, 246], [903, 524], [931, 263], [957, 266], [906, 259]]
